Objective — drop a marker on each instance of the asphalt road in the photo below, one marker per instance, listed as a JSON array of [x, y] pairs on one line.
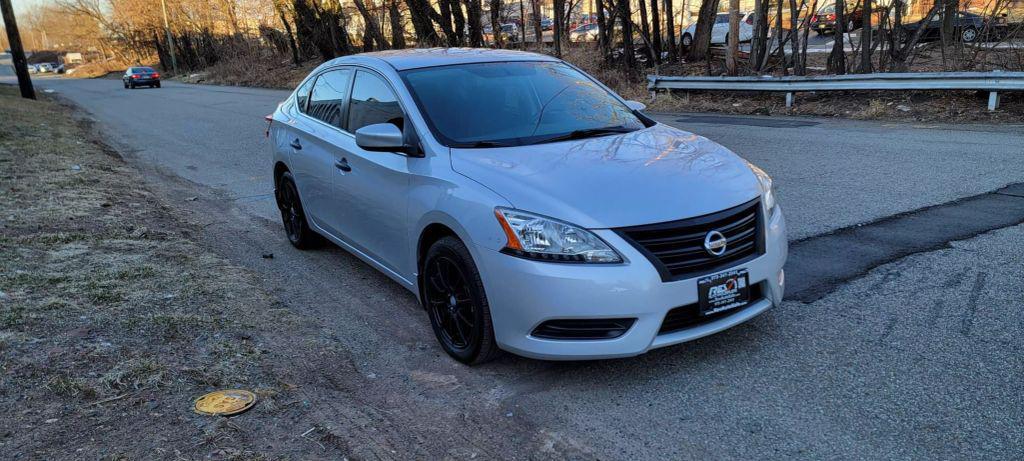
[[919, 357]]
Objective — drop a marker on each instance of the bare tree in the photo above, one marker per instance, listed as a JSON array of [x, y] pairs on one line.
[[837, 58], [866, 34], [499, 36], [625, 12], [702, 35], [733, 42], [656, 23], [670, 24], [397, 27], [371, 27], [476, 32]]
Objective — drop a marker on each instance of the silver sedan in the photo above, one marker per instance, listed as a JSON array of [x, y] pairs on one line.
[[529, 208]]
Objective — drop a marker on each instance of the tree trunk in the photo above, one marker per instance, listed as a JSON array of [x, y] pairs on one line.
[[458, 22], [670, 24], [733, 44], [656, 22], [602, 29], [558, 25], [837, 59], [499, 36], [425, 33], [949, 13], [537, 29], [625, 15], [645, 29], [759, 42], [476, 30], [702, 35], [288, 31], [397, 28], [371, 26], [865, 40], [794, 35]]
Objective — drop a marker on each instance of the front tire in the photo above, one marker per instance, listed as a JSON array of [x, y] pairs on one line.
[[296, 227], [454, 297], [686, 40]]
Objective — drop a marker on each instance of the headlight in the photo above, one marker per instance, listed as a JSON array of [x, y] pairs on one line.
[[767, 188], [536, 237]]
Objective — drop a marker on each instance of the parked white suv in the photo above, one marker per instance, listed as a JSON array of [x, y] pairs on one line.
[[720, 32]]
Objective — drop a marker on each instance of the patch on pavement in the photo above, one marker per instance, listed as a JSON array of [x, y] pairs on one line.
[[746, 121], [817, 265]]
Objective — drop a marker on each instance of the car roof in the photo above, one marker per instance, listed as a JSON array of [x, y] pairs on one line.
[[432, 57]]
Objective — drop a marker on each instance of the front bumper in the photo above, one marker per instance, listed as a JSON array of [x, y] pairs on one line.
[[523, 294]]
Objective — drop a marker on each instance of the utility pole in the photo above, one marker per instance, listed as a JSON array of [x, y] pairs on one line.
[[17, 52], [170, 42]]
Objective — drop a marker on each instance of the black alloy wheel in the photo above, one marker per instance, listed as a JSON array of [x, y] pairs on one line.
[[292, 215], [455, 301]]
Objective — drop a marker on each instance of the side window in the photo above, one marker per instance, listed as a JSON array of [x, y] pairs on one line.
[[373, 102], [302, 95], [327, 100]]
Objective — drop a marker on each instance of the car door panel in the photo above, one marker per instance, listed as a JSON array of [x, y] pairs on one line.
[[375, 191], [320, 133]]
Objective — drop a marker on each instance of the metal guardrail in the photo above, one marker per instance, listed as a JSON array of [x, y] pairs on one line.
[[993, 82]]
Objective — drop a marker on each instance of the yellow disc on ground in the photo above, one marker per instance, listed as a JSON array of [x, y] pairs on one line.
[[225, 403]]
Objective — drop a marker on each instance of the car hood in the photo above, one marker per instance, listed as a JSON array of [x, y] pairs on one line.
[[647, 176]]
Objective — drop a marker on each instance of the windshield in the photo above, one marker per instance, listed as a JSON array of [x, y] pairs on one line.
[[514, 103]]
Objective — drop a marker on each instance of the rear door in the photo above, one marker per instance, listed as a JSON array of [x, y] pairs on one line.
[[313, 148]]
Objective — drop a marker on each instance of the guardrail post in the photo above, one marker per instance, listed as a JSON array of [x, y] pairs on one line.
[[993, 100], [789, 99]]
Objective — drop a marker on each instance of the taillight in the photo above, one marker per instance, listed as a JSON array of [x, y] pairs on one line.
[[830, 17], [156, 75], [750, 20], [270, 120], [814, 18], [135, 75]]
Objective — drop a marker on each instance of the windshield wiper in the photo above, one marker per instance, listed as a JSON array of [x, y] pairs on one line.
[[481, 144], [586, 133]]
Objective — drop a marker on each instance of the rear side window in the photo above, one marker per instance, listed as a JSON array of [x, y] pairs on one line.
[[327, 100], [302, 94], [373, 102]]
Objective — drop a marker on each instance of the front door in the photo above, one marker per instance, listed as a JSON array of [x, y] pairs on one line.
[[375, 186]]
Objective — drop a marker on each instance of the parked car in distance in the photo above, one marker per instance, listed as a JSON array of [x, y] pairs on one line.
[[547, 24], [526, 206], [510, 32], [33, 68], [45, 67], [141, 76], [720, 31], [824, 21], [967, 27], [584, 33]]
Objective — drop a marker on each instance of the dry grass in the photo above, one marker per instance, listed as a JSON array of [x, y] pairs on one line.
[[101, 297], [269, 72]]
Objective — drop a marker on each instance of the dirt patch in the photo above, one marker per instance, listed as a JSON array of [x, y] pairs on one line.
[[112, 321]]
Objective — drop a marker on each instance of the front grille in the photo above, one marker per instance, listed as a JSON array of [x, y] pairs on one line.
[[688, 316], [676, 248], [583, 328]]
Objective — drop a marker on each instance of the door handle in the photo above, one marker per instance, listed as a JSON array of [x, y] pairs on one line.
[[343, 165], [296, 145]]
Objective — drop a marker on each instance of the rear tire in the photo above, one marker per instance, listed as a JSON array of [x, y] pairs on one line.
[[454, 297], [296, 227], [969, 35], [157, 85]]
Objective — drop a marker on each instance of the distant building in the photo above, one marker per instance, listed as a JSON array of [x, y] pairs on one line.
[[73, 58]]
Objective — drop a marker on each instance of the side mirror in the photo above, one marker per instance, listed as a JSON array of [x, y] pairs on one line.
[[381, 137], [636, 105]]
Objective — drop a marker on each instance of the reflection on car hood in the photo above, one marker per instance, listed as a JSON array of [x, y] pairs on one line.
[[653, 175]]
